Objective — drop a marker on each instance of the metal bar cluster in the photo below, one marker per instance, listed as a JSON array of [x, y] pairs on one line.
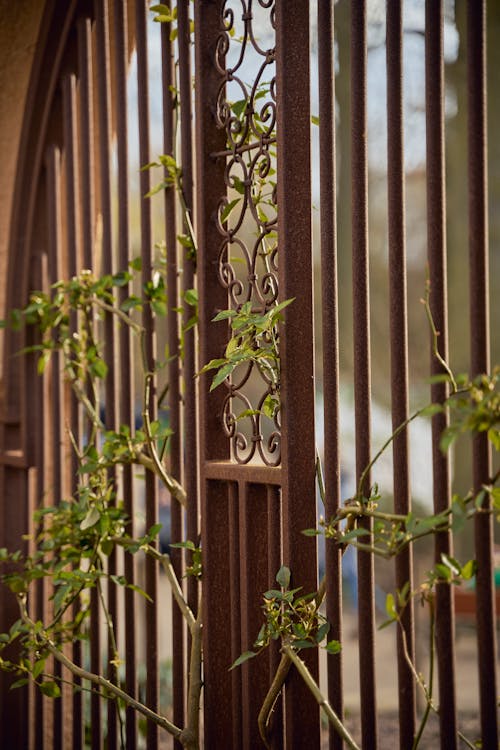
[[249, 513]]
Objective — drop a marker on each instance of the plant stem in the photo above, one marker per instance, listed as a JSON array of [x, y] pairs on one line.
[[271, 698], [320, 698], [96, 679]]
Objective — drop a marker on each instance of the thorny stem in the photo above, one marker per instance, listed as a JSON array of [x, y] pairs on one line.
[[320, 698]]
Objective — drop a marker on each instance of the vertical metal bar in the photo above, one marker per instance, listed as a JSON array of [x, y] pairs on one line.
[[54, 224], [110, 390], [72, 219], [213, 443], [254, 579], [436, 239], [273, 565], [361, 342], [87, 203], [85, 70], [126, 396], [174, 396], [218, 697], [330, 328], [152, 686], [190, 431], [235, 598], [399, 353], [480, 359], [73, 263], [294, 233]]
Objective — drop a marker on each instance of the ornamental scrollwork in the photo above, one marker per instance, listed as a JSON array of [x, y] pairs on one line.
[[247, 213]]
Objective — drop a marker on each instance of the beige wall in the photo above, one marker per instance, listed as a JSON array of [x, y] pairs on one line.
[[19, 24]]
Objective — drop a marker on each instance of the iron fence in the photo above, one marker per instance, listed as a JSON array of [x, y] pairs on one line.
[[78, 204]]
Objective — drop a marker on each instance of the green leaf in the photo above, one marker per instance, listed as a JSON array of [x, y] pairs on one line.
[[140, 591], [322, 632], [239, 107], [494, 437], [50, 689], [228, 208], [136, 263], [224, 315], [245, 656], [270, 406], [452, 564], [283, 577], [442, 571], [333, 647], [90, 519], [223, 373], [315, 119], [469, 570], [99, 368], [432, 409], [440, 378], [19, 683], [390, 606], [191, 297], [448, 437], [107, 547], [155, 530], [38, 668]]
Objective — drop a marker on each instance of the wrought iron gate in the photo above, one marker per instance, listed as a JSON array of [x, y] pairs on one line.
[[255, 476]]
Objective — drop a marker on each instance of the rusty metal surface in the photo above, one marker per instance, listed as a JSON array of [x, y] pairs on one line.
[[126, 388], [480, 359], [297, 376], [151, 585], [361, 345], [399, 355], [436, 241], [330, 329], [174, 385], [253, 513]]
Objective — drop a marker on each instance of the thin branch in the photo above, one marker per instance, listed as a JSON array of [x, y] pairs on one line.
[[320, 698], [96, 679], [271, 698]]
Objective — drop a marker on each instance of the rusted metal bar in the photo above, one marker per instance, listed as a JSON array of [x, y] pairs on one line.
[[273, 565], [85, 71], [54, 225], [362, 376], [190, 431], [330, 328], [297, 388], [436, 240], [72, 225], [219, 701], [126, 358], [480, 359], [106, 249], [174, 395], [399, 354], [253, 582], [235, 599], [87, 205], [218, 727], [151, 586]]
